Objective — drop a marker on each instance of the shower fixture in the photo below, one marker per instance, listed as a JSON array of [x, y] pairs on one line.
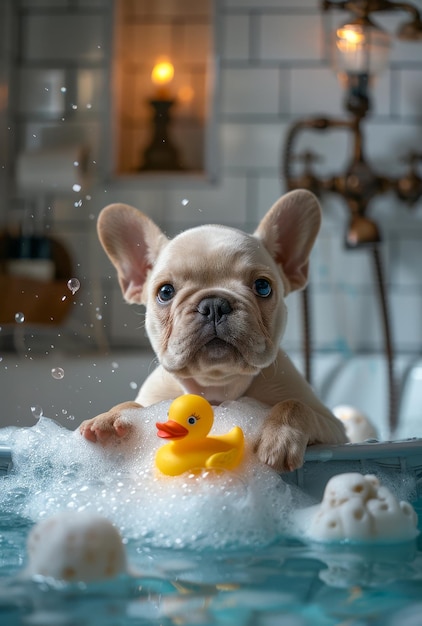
[[360, 52]]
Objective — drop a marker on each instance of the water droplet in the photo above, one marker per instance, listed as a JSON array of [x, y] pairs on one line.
[[73, 284], [36, 411], [133, 385], [185, 201], [57, 373], [63, 89], [115, 365], [64, 298], [76, 163], [77, 187], [19, 317], [98, 314]]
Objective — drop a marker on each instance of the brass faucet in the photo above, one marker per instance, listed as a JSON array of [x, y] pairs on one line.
[[358, 184]]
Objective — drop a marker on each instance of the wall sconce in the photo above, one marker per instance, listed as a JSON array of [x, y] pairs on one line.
[[161, 154], [361, 51]]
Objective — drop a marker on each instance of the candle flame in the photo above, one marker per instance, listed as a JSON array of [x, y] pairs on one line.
[[162, 72]]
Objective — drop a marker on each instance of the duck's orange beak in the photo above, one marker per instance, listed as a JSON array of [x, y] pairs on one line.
[[171, 430]]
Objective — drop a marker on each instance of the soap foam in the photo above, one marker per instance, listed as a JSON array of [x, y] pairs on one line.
[[75, 547], [58, 470], [360, 509], [357, 425]]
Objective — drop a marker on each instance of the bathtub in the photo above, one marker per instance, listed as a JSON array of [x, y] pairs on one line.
[[284, 582], [90, 384]]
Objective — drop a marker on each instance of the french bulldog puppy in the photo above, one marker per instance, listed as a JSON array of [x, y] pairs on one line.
[[215, 316]]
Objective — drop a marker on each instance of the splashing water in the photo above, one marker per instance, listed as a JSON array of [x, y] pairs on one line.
[[73, 285], [57, 373], [36, 411]]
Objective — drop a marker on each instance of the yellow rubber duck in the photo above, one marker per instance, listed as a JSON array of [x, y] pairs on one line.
[[190, 420]]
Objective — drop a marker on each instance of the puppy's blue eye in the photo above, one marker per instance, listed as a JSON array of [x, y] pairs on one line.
[[262, 287], [165, 293]]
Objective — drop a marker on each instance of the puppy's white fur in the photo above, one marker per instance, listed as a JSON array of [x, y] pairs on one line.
[[215, 331]]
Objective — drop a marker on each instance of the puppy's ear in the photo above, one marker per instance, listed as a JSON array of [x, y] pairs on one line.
[[289, 230], [133, 242]]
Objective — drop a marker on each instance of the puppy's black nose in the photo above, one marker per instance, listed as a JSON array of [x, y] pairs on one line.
[[214, 309]]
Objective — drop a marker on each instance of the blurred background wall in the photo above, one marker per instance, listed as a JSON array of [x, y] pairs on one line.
[[271, 67]]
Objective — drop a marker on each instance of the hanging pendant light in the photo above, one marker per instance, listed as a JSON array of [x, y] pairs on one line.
[[361, 47], [361, 52]]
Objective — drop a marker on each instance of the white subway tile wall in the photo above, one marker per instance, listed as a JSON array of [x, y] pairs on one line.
[[71, 37], [274, 68]]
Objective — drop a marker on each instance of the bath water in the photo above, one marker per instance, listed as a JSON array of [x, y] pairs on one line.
[[204, 549]]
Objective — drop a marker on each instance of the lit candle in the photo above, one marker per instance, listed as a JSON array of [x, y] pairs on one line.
[[185, 96], [162, 75]]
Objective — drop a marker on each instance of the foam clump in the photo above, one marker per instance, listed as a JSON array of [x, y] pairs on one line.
[[359, 508], [75, 547], [357, 425]]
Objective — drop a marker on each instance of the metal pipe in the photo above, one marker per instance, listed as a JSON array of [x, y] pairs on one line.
[[388, 342]]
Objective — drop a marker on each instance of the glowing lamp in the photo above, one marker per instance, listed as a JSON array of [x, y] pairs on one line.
[[361, 47]]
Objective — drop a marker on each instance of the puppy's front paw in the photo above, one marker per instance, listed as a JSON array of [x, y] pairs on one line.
[[105, 425], [285, 436], [282, 448]]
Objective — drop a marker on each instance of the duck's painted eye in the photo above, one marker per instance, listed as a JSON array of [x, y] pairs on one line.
[[262, 287], [165, 293], [192, 420]]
